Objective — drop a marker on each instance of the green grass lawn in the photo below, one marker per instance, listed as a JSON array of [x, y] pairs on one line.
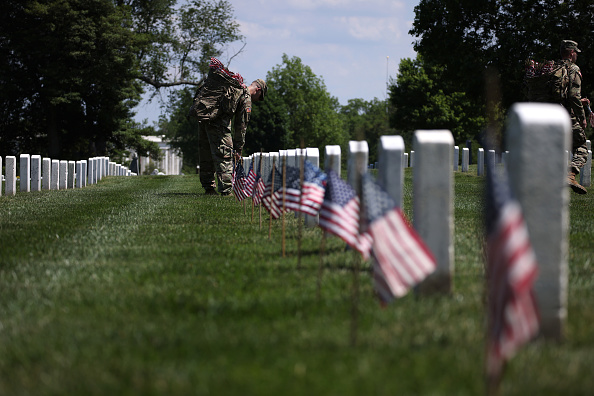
[[141, 285]]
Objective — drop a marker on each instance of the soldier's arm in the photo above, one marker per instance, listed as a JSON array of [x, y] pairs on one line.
[[575, 95], [242, 117]]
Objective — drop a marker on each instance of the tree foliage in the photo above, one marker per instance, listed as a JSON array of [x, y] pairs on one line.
[[298, 109], [73, 70], [367, 120], [422, 100], [464, 37]]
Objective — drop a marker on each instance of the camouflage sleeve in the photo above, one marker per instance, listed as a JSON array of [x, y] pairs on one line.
[[575, 93], [242, 117]]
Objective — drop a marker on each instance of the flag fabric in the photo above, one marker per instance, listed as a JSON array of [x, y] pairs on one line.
[[401, 258], [250, 180], [238, 182], [258, 190], [307, 199], [511, 271], [269, 200], [339, 213], [292, 189], [313, 192], [216, 64]]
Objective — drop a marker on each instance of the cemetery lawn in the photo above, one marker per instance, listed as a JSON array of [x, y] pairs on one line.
[[141, 285]]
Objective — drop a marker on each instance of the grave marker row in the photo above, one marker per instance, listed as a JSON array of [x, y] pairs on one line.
[[36, 173], [538, 136]]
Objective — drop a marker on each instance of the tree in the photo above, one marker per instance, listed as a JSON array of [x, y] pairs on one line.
[[298, 108], [73, 70], [421, 100], [367, 120], [464, 37]]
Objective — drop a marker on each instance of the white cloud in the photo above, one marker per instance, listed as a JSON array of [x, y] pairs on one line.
[[373, 29]]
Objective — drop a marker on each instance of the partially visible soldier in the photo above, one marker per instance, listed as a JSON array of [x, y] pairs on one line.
[[575, 106], [216, 142]]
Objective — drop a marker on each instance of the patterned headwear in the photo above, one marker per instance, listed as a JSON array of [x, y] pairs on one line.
[[569, 44], [262, 85]]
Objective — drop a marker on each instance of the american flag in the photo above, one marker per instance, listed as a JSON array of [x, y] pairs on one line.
[[511, 271], [339, 213], [216, 64], [307, 200], [258, 191], [269, 200], [238, 182], [401, 257], [292, 189], [249, 181], [313, 189]]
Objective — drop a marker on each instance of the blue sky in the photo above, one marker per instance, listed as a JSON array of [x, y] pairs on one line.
[[345, 42]]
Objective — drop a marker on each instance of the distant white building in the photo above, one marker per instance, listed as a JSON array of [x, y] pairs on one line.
[[171, 160]]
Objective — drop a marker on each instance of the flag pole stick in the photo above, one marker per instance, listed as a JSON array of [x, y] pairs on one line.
[[271, 200], [284, 202], [301, 166], [260, 204], [357, 258], [321, 266], [244, 212]]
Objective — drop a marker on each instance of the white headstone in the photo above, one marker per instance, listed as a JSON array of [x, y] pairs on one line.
[[538, 136], [332, 158], [71, 173], [391, 171], [465, 159], [36, 173], [63, 175], [433, 204], [25, 172], [480, 162], [55, 185], [491, 157], [78, 171], [10, 183], [91, 171], [357, 163], [46, 174], [84, 172], [456, 157], [291, 157], [412, 158]]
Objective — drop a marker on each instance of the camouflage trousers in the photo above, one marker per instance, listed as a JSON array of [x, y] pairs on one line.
[[579, 148], [215, 152]]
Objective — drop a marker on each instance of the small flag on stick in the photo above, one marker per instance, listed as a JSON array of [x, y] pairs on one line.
[[339, 214], [511, 271], [402, 259]]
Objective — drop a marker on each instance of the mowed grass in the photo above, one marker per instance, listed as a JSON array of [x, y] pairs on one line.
[[142, 285]]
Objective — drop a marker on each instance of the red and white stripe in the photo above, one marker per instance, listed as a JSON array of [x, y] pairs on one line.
[[402, 258], [512, 270]]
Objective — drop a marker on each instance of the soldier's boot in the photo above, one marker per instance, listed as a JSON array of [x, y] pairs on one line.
[[575, 186]]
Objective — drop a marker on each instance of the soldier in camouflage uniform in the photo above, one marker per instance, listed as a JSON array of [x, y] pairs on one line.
[[217, 143], [575, 106]]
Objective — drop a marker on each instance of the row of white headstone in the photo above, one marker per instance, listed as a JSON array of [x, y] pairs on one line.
[[538, 138], [38, 174]]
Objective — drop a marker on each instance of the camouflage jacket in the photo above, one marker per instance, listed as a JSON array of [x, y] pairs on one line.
[[573, 104], [225, 102], [241, 119]]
